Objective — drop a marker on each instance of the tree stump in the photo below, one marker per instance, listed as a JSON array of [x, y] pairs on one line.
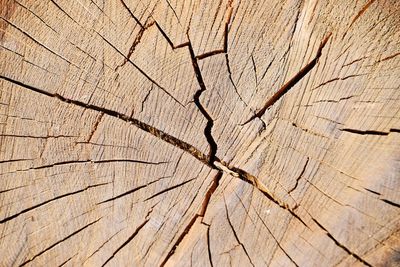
[[199, 133]]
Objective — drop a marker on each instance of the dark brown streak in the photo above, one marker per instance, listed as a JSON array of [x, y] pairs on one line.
[[288, 85]]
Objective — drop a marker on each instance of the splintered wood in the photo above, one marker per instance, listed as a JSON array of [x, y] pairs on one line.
[[199, 133]]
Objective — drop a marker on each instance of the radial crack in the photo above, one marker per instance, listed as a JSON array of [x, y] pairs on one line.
[[292, 82], [341, 245], [128, 240], [48, 201], [169, 189], [59, 242]]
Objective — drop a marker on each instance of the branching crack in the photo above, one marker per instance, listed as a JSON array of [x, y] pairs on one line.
[[292, 82], [141, 71], [235, 234], [207, 160], [200, 214]]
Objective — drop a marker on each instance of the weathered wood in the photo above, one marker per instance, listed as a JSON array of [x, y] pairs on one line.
[[199, 133]]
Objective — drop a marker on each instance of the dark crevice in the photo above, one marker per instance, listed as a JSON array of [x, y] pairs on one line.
[[231, 79], [335, 101], [94, 128], [208, 246], [338, 79], [144, 100], [292, 82], [209, 193], [59, 242], [397, 205], [169, 189], [254, 181], [171, 44], [48, 201], [141, 125], [359, 14], [14, 160], [65, 262], [367, 132], [11, 189], [235, 234], [132, 15], [210, 54], [341, 245], [389, 57], [196, 98], [127, 241], [173, 10], [300, 176], [372, 191], [254, 69], [95, 161], [38, 137]]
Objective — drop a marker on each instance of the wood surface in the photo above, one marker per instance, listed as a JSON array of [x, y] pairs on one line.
[[199, 133]]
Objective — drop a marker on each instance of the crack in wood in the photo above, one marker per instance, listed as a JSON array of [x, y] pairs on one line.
[[300, 176], [6, 219], [59, 242], [266, 227], [196, 98], [132, 190], [235, 234], [348, 251], [200, 214], [292, 82], [169, 189], [369, 132], [134, 234], [214, 164]]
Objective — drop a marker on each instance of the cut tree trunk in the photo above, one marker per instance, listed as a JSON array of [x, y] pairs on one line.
[[199, 133]]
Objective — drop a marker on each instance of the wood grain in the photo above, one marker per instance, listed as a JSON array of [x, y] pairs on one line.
[[199, 133]]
